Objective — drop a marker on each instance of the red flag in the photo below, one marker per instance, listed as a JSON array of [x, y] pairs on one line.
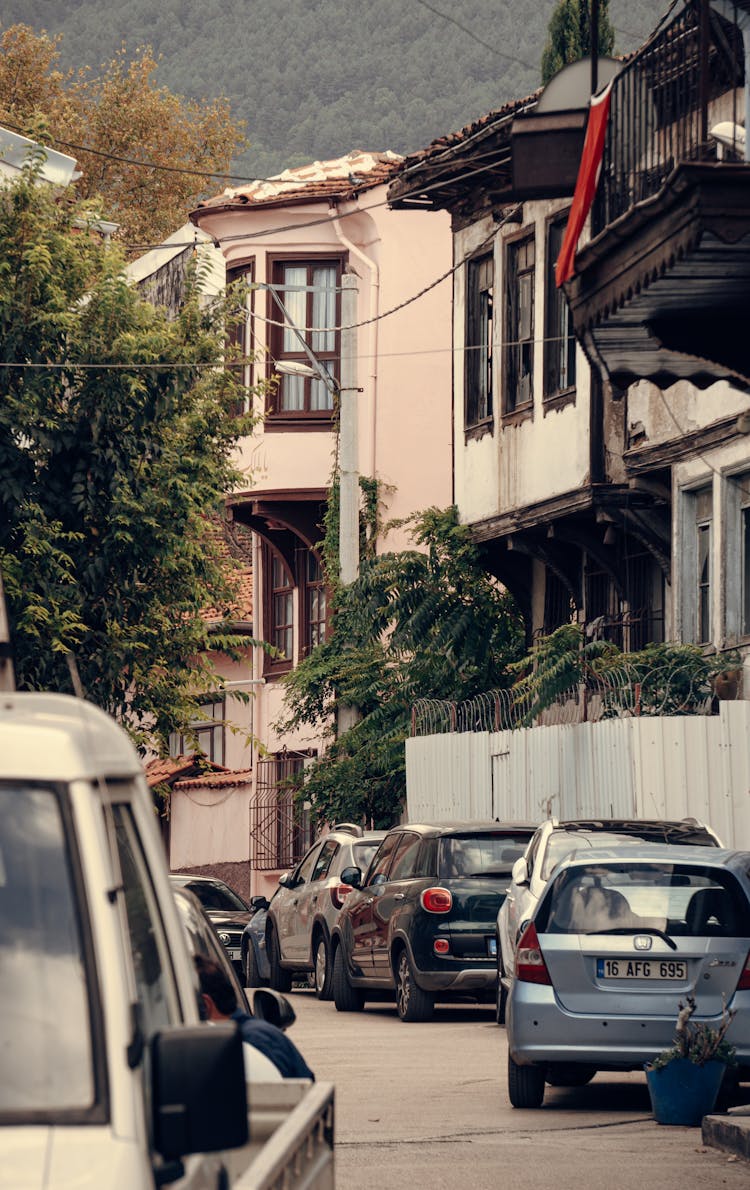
[[588, 176]]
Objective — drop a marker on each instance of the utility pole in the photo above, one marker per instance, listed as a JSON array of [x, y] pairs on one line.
[[348, 436], [348, 457]]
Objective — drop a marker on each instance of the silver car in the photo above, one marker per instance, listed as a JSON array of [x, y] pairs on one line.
[[552, 841], [618, 939], [306, 905]]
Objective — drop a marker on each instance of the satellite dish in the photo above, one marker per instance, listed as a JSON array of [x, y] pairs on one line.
[[570, 88]]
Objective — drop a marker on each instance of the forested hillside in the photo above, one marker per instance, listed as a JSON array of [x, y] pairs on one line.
[[316, 78]]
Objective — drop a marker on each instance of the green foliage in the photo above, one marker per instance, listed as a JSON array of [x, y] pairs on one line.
[[106, 473], [672, 679], [569, 35], [427, 623]]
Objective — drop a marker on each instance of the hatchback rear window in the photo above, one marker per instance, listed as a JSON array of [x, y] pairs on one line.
[[485, 854], [677, 900]]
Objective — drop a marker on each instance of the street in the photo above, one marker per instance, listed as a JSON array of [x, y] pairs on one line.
[[424, 1107]]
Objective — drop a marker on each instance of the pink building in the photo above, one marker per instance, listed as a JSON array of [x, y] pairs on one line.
[[292, 239]]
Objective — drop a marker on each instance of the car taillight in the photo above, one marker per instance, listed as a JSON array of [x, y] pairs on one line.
[[339, 893], [530, 964], [437, 900], [744, 983]]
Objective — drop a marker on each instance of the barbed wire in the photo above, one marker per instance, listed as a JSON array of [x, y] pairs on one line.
[[621, 692]]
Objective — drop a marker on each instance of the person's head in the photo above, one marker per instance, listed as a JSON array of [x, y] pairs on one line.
[[217, 993]]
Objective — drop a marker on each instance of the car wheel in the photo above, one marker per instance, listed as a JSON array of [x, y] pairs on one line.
[[281, 980], [568, 1074], [323, 972], [525, 1084], [252, 974], [412, 1003], [345, 997]]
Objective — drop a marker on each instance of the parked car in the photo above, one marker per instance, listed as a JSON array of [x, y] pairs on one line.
[[203, 940], [553, 841], [228, 913], [254, 955], [619, 938], [305, 907], [421, 922]]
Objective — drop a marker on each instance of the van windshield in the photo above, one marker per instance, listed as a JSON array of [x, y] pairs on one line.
[[45, 1031]]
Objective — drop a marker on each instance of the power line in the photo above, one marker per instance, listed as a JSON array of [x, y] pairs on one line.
[[465, 29]]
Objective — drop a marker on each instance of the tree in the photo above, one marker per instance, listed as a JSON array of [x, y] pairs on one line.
[[569, 35], [121, 113], [116, 440], [427, 623]]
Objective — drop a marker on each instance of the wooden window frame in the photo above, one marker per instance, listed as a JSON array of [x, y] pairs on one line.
[[558, 323], [305, 418], [513, 409], [275, 665], [244, 336], [479, 343], [312, 627]]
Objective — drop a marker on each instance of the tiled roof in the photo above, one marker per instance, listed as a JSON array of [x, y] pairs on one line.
[[233, 552], [168, 768], [223, 780], [342, 178]]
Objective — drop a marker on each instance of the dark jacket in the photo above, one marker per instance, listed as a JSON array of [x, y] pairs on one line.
[[274, 1044]]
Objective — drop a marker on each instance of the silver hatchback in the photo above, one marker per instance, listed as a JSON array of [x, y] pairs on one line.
[[618, 939]]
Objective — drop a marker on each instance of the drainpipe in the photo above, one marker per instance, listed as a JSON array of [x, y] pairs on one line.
[[374, 275]]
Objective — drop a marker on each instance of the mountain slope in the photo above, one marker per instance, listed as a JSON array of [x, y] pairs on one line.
[[316, 78]]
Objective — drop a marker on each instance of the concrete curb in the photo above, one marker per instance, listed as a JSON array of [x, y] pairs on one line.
[[730, 1132]]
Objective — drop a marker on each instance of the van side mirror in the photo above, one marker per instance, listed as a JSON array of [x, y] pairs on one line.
[[519, 873], [258, 903], [271, 1006], [352, 876], [199, 1094]]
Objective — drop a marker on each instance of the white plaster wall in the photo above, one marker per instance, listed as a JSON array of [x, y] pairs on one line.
[[209, 826], [547, 454], [678, 410]]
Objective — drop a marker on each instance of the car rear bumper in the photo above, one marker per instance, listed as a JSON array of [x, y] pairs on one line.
[[458, 979], [540, 1030]]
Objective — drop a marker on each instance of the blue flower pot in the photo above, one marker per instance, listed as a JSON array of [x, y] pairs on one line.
[[683, 1093]]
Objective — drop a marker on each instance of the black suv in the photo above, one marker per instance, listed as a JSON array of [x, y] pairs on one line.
[[422, 920]]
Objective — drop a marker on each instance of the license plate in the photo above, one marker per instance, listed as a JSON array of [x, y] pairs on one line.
[[492, 947], [655, 969], [233, 952]]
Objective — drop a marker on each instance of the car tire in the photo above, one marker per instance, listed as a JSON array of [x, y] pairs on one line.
[[323, 975], [525, 1084], [252, 974], [281, 980], [345, 997], [412, 1003], [569, 1074]]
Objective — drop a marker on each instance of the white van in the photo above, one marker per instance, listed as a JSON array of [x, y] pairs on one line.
[[107, 1077]]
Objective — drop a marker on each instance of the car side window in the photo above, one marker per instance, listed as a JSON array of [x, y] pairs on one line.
[[533, 851], [382, 858], [406, 859], [323, 863], [304, 871]]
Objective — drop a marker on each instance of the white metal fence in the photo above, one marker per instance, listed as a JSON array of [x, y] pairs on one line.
[[641, 767]]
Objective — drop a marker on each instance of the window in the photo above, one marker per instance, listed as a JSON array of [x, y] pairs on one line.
[[310, 292], [327, 852], [405, 863], [559, 340], [737, 557], [703, 556], [382, 858], [205, 733], [315, 603], [696, 569], [282, 608], [518, 388], [241, 332], [480, 283]]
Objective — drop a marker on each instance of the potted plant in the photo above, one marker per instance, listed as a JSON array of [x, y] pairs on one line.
[[684, 1080]]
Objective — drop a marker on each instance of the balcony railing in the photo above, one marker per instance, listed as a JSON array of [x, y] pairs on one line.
[[659, 108]]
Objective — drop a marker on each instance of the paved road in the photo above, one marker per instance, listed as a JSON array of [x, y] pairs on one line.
[[424, 1107]]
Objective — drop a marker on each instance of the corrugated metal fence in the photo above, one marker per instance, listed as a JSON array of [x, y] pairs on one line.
[[647, 767]]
